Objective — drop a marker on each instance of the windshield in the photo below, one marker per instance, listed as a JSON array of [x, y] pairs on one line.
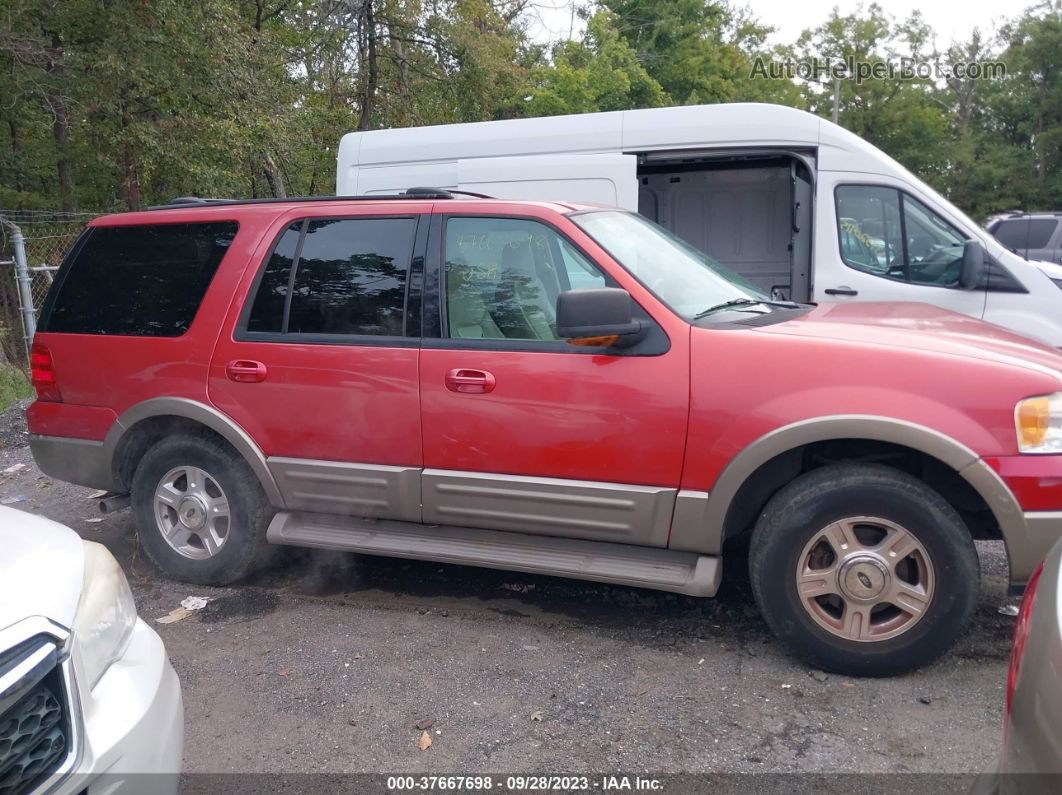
[[685, 279]]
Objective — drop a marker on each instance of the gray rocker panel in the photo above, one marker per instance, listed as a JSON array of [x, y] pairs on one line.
[[660, 569]]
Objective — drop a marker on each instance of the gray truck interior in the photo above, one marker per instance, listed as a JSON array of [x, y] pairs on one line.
[[750, 211]]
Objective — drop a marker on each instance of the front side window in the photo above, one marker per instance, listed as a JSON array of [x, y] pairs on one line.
[[870, 233], [142, 281], [887, 233], [336, 276], [503, 276]]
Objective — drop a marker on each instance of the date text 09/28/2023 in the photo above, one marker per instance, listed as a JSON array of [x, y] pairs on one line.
[[524, 783]]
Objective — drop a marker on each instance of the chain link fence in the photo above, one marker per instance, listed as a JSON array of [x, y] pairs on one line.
[[43, 238]]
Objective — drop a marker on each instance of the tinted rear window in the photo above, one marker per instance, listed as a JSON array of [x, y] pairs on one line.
[[268, 311], [143, 281], [1022, 233]]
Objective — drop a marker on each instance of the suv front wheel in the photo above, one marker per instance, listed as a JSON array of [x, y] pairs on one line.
[[201, 514], [864, 570]]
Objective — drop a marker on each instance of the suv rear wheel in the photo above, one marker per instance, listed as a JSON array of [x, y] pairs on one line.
[[200, 512], [863, 570]]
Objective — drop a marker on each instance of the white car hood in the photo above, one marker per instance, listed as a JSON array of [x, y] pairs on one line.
[[1051, 269], [41, 567]]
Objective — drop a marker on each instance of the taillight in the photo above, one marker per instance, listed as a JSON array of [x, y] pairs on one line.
[[1021, 634], [42, 373]]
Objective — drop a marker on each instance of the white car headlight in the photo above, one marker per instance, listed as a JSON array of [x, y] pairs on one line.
[[106, 613], [1038, 421]]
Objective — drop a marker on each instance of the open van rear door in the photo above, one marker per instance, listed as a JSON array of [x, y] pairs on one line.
[[602, 178]]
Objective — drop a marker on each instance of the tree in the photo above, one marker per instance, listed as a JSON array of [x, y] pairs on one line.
[[1026, 108], [601, 72], [119, 103], [699, 52], [896, 113]]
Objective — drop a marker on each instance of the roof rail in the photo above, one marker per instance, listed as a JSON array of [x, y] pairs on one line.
[[444, 193], [410, 193], [1011, 214], [427, 193]]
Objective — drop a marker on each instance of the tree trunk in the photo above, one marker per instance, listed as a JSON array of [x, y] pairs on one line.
[[130, 180], [368, 99], [60, 125], [16, 148], [274, 177], [403, 69], [1041, 165]]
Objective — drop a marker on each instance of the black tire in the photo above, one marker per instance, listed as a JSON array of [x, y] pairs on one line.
[[815, 500], [245, 548]]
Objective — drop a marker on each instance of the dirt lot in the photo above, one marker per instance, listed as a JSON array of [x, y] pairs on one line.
[[326, 663]]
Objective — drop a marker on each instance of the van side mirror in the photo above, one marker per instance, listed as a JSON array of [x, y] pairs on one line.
[[972, 271], [598, 316]]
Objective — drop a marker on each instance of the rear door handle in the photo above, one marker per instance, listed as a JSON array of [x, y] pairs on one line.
[[245, 371], [469, 382], [840, 291]]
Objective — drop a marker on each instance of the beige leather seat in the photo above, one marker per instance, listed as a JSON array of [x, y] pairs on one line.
[[524, 307], [467, 312]]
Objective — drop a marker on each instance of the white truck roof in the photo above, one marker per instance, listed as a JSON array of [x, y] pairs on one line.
[[628, 131]]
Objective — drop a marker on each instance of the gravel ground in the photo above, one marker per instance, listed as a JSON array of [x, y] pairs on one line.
[[327, 662]]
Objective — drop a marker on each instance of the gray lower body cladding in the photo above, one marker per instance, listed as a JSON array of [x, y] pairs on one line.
[[81, 461]]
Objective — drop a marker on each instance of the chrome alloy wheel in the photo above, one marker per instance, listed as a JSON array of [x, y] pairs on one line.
[[865, 579], [192, 512]]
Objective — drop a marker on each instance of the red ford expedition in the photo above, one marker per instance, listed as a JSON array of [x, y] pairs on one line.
[[546, 388]]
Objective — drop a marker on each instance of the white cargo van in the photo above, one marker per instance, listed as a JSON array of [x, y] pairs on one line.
[[792, 202]]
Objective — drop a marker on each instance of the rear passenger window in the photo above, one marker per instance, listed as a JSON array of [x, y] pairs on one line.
[[347, 277], [268, 311], [143, 281]]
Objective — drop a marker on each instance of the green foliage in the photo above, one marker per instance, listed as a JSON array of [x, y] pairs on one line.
[[14, 385], [601, 72], [113, 104], [897, 115]]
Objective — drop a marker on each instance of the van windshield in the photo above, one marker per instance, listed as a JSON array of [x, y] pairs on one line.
[[687, 280]]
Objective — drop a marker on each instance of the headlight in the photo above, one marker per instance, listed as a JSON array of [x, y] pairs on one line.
[[1038, 421], [106, 613]]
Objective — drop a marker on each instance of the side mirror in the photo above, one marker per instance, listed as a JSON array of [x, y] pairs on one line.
[[972, 271], [597, 316]]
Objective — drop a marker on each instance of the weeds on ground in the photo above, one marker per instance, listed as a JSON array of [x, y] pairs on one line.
[[14, 385]]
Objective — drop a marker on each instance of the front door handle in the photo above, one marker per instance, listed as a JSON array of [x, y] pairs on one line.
[[245, 371], [843, 290], [469, 382]]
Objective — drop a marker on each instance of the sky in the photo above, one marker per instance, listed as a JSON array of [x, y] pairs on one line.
[[951, 19]]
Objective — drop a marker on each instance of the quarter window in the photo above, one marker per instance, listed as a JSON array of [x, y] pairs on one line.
[[142, 281], [336, 276], [503, 276], [885, 232], [1025, 233]]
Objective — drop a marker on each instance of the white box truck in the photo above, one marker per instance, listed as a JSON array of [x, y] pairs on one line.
[[790, 201]]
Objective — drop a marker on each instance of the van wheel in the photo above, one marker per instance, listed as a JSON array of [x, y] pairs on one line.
[[863, 570], [201, 514]]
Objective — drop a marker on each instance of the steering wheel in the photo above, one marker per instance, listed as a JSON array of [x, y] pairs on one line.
[[894, 264], [936, 256]]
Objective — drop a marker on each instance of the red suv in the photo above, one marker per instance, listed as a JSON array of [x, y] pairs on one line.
[[547, 388]]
